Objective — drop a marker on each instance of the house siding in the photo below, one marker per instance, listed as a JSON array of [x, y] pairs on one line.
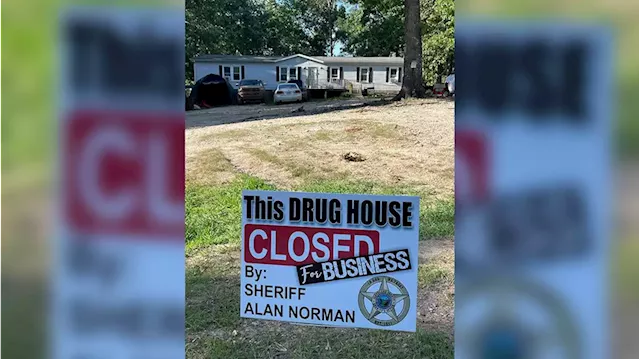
[[266, 72], [379, 73], [350, 73], [304, 65]]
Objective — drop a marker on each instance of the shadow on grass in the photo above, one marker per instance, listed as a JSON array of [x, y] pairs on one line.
[[270, 111]]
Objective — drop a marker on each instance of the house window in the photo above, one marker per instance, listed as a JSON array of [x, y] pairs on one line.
[[364, 75], [292, 73], [393, 74], [283, 74], [335, 73], [236, 73], [226, 73]]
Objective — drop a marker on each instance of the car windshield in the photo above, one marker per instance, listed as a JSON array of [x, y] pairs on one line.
[[250, 83], [288, 87]]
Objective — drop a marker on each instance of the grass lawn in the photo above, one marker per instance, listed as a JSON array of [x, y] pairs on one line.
[[213, 324], [213, 213], [215, 330], [305, 154]]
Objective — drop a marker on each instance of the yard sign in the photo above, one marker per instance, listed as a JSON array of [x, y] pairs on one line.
[[329, 259], [532, 179], [118, 249]]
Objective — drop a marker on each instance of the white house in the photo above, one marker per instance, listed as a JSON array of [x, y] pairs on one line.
[[317, 72]]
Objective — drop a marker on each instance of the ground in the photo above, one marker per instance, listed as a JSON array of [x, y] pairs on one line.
[[253, 112], [406, 147]]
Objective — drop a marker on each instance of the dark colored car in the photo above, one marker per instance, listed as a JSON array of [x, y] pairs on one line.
[[250, 91], [302, 88]]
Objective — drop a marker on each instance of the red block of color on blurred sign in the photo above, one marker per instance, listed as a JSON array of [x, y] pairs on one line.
[[287, 245], [472, 162], [124, 173]]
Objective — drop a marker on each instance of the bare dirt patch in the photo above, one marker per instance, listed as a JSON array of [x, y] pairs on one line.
[[436, 285], [410, 142]]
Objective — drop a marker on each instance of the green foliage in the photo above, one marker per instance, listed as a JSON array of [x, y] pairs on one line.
[[374, 28], [437, 39], [286, 27], [223, 27], [259, 27]]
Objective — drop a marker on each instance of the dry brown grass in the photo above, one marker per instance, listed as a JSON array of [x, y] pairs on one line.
[[208, 166], [408, 143]]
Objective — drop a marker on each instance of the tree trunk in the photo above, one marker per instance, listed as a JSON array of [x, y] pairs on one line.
[[412, 85]]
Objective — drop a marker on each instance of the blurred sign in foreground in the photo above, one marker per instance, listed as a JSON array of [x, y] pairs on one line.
[[532, 173], [118, 287]]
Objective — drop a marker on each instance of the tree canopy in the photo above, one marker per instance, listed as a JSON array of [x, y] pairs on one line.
[[313, 27]]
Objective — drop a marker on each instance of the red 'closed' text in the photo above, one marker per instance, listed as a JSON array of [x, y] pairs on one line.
[[287, 245]]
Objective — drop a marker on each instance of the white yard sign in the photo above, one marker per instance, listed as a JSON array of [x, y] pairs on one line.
[[532, 179], [118, 280], [328, 259]]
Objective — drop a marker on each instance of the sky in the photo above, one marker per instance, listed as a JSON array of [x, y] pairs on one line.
[[337, 49]]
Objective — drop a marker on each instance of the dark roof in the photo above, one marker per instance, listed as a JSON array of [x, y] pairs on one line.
[[398, 61], [234, 58]]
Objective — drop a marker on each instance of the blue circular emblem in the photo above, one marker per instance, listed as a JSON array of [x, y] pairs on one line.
[[383, 301], [503, 344]]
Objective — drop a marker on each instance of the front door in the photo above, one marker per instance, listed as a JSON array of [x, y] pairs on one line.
[[312, 77]]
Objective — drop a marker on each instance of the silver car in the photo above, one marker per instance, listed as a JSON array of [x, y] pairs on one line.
[[287, 93]]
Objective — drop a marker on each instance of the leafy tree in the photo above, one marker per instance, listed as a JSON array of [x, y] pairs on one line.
[[374, 28], [284, 31], [438, 40], [260, 27], [285, 27], [223, 27], [319, 19]]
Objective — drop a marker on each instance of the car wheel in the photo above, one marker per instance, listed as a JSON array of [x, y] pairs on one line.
[[445, 93]]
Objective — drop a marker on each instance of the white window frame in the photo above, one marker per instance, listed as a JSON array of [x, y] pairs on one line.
[[394, 78], [295, 73], [337, 76], [284, 71], [364, 72], [229, 72]]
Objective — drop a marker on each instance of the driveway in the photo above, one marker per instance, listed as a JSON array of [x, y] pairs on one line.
[[235, 113]]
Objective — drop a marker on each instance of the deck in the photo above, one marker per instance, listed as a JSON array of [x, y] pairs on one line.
[[336, 85], [352, 86]]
